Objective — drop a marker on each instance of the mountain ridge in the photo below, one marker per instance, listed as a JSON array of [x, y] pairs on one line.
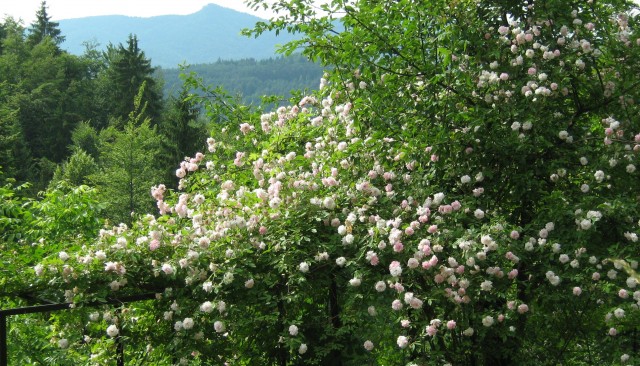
[[205, 36]]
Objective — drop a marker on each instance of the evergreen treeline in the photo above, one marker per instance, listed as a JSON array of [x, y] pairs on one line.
[[101, 119], [252, 78]]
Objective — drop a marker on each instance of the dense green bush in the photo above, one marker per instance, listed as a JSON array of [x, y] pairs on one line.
[[461, 190]]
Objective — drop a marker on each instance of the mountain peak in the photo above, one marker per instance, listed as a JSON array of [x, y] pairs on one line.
[[215, 7]]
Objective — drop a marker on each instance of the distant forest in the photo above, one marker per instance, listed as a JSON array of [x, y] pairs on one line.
[[250, 78]]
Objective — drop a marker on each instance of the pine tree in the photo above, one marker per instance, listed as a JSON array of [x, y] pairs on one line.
[[128, 166], [181, 131], [128, 70], [43, 27]]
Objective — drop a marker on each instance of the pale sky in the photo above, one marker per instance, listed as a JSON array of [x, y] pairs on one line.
[[68, 9]]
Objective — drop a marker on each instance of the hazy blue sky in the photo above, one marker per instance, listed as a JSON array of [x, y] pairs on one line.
[[67, 9]]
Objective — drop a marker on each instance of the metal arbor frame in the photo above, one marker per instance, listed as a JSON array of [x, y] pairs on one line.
[[6, 313]]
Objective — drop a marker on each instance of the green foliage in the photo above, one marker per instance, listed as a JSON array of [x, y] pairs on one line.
[[14, 49], [76, 170], [33, 228], [13, 150], [3, 35], [65, 212], [85, 138], [128, 166], [12, 214]]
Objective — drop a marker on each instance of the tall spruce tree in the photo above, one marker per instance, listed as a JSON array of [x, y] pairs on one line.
[[43, 27], [181, 131], [128, 69], [128, 166]]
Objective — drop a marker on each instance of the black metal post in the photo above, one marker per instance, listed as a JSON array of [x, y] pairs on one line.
[[119, 351], [4, 361], [119, 344]]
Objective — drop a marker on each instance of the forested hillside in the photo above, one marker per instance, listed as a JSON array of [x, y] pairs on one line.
[[251, 78]]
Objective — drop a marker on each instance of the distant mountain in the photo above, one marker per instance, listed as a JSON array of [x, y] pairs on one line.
[[211, 34]]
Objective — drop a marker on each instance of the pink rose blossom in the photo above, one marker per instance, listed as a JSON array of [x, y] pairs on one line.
[[167, 269], [374, 260], [395, 268], [523, 308], [432, 330], [623, 293], [368, 345], [396, 305], [402, 341], [154, 244], [245, 128]]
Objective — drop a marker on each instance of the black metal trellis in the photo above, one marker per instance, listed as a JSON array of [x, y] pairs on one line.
[[6, 313]]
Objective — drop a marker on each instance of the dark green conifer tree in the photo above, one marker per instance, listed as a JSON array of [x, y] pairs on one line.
[[128, 166], [128, 69], [183, 134], [43, 27]]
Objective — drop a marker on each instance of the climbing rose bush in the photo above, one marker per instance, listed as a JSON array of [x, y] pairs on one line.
[[465, 197]]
